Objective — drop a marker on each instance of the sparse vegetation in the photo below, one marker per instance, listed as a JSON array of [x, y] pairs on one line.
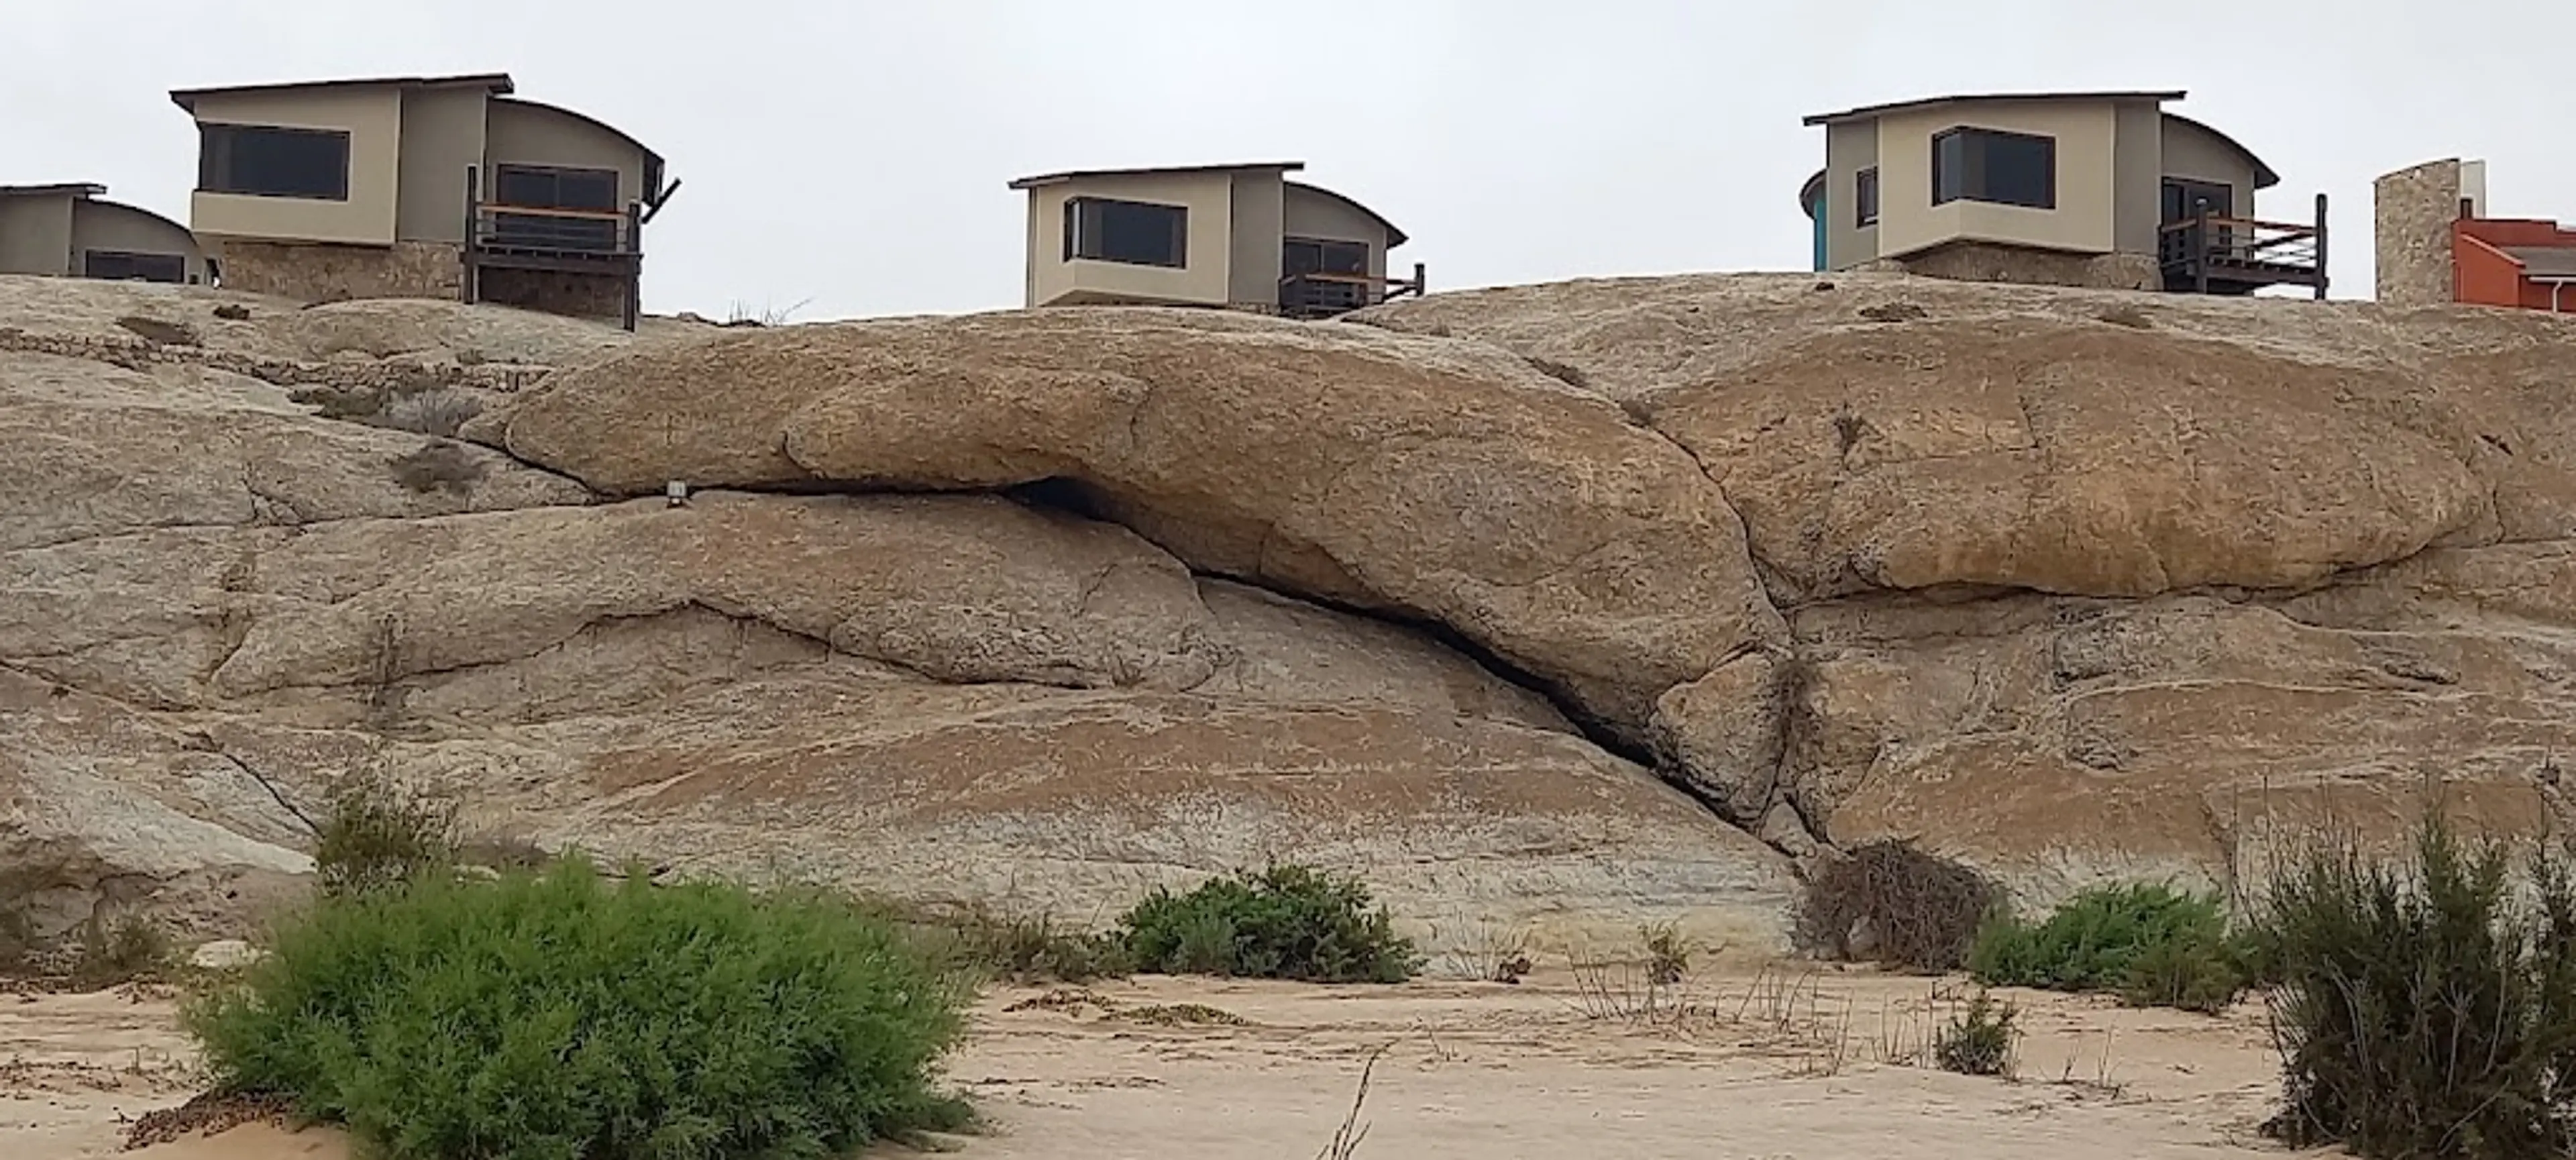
[[1022, 949], [1284, 922], [1980, 1040], [2150, 944], [561, 1014], [377, 835], [117, 948], [2421, 1009], [2126, 315], [232, 312], [1489, 954], [1668, 953], [436, 465], [1890, 902]]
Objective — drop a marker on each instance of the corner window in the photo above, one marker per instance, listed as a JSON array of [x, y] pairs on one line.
[[126, 266], [1994, 166], [1136, 233], [265, 161], [1865, 199]]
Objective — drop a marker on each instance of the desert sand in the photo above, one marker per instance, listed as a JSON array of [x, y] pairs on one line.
[[1735, 1066]]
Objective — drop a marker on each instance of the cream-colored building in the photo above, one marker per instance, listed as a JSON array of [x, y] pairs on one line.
[[72, 230], [443, 186], [2090, 188], [1236, 236]]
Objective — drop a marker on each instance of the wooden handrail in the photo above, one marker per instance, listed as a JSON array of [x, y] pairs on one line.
[[1347, 279], [2247, 223]]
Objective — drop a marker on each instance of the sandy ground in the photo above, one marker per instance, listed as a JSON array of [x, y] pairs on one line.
[[1755, 1067]]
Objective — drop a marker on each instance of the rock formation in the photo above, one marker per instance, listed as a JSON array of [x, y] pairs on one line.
[[1559, 608]]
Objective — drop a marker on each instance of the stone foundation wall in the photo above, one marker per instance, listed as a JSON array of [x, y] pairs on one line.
[[1984, 262], [323, 272], [594, 296], [2411, 215]]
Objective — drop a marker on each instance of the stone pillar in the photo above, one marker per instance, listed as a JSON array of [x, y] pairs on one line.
[[2411, 215]]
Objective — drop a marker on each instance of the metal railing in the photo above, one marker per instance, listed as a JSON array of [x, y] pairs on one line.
[[2239, 251], [1325, 295], [559, 231]]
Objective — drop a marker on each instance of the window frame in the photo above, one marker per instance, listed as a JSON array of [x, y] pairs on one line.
[[503, 171], [1865, 198], [1075, 236], [1973, 179], [177, 262], [217, 167]]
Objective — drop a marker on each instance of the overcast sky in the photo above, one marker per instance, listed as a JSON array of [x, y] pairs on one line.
[[852, 156]]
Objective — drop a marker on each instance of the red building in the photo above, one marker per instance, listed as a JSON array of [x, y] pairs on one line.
[[2524, 262]]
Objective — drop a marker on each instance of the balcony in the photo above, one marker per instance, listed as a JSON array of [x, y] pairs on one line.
[[2209, 254], [537, 237], [1320, 295]]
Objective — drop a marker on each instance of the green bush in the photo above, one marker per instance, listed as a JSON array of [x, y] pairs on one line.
[[557, 1014], [2150, 944], [118, 949], [1891, 902], [2422, 1010], [1027, 950], [1286, 922]]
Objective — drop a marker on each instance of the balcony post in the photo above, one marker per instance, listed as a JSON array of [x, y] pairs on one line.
[[466, 290], [2321, 247], [2200, 245]]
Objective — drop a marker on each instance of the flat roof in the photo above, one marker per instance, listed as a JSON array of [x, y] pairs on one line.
[[1071, 174], [1866, 111], [57, 189], [490, 82], [2544, 261]]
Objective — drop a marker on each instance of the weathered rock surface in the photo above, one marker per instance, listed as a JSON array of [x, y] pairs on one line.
[[1435, 479], [2101, 584], [2067, 584]]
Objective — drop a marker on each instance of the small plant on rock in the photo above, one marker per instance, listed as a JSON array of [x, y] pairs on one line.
[[1285, 922]]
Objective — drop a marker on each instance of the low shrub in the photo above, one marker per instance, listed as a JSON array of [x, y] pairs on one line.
[[560, 1014], [438, 412], [2150, 944], [376, 835], [1890, 902], [116, 949], [437, 465], [1285, 922], [2421, 1008], [1979, 1040], [1029, 950]]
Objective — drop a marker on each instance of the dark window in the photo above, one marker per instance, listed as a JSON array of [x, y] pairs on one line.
[[124, 266], [1339, 261], [1994, 166], [2182, 196], [262, 161], [539, 187], [1865, 199], [1137, 233]]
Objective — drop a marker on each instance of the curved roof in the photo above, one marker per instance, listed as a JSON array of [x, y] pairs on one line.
[[1865, 112], [2264, 178], [652, 160], [1808, 193], [1394, 237], [171, 222]]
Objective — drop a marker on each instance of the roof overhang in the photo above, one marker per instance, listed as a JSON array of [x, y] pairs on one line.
[[83, 189], [2264, 178], [1037, 180], [1868, 112], [494, 83], [2544, 263], [1394, 237]]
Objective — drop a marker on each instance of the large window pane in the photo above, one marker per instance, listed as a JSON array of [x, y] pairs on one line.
[[1133, 232], [1990, 165], [263, 161]]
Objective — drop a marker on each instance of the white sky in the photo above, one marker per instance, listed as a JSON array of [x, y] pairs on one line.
[[853, 156]]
